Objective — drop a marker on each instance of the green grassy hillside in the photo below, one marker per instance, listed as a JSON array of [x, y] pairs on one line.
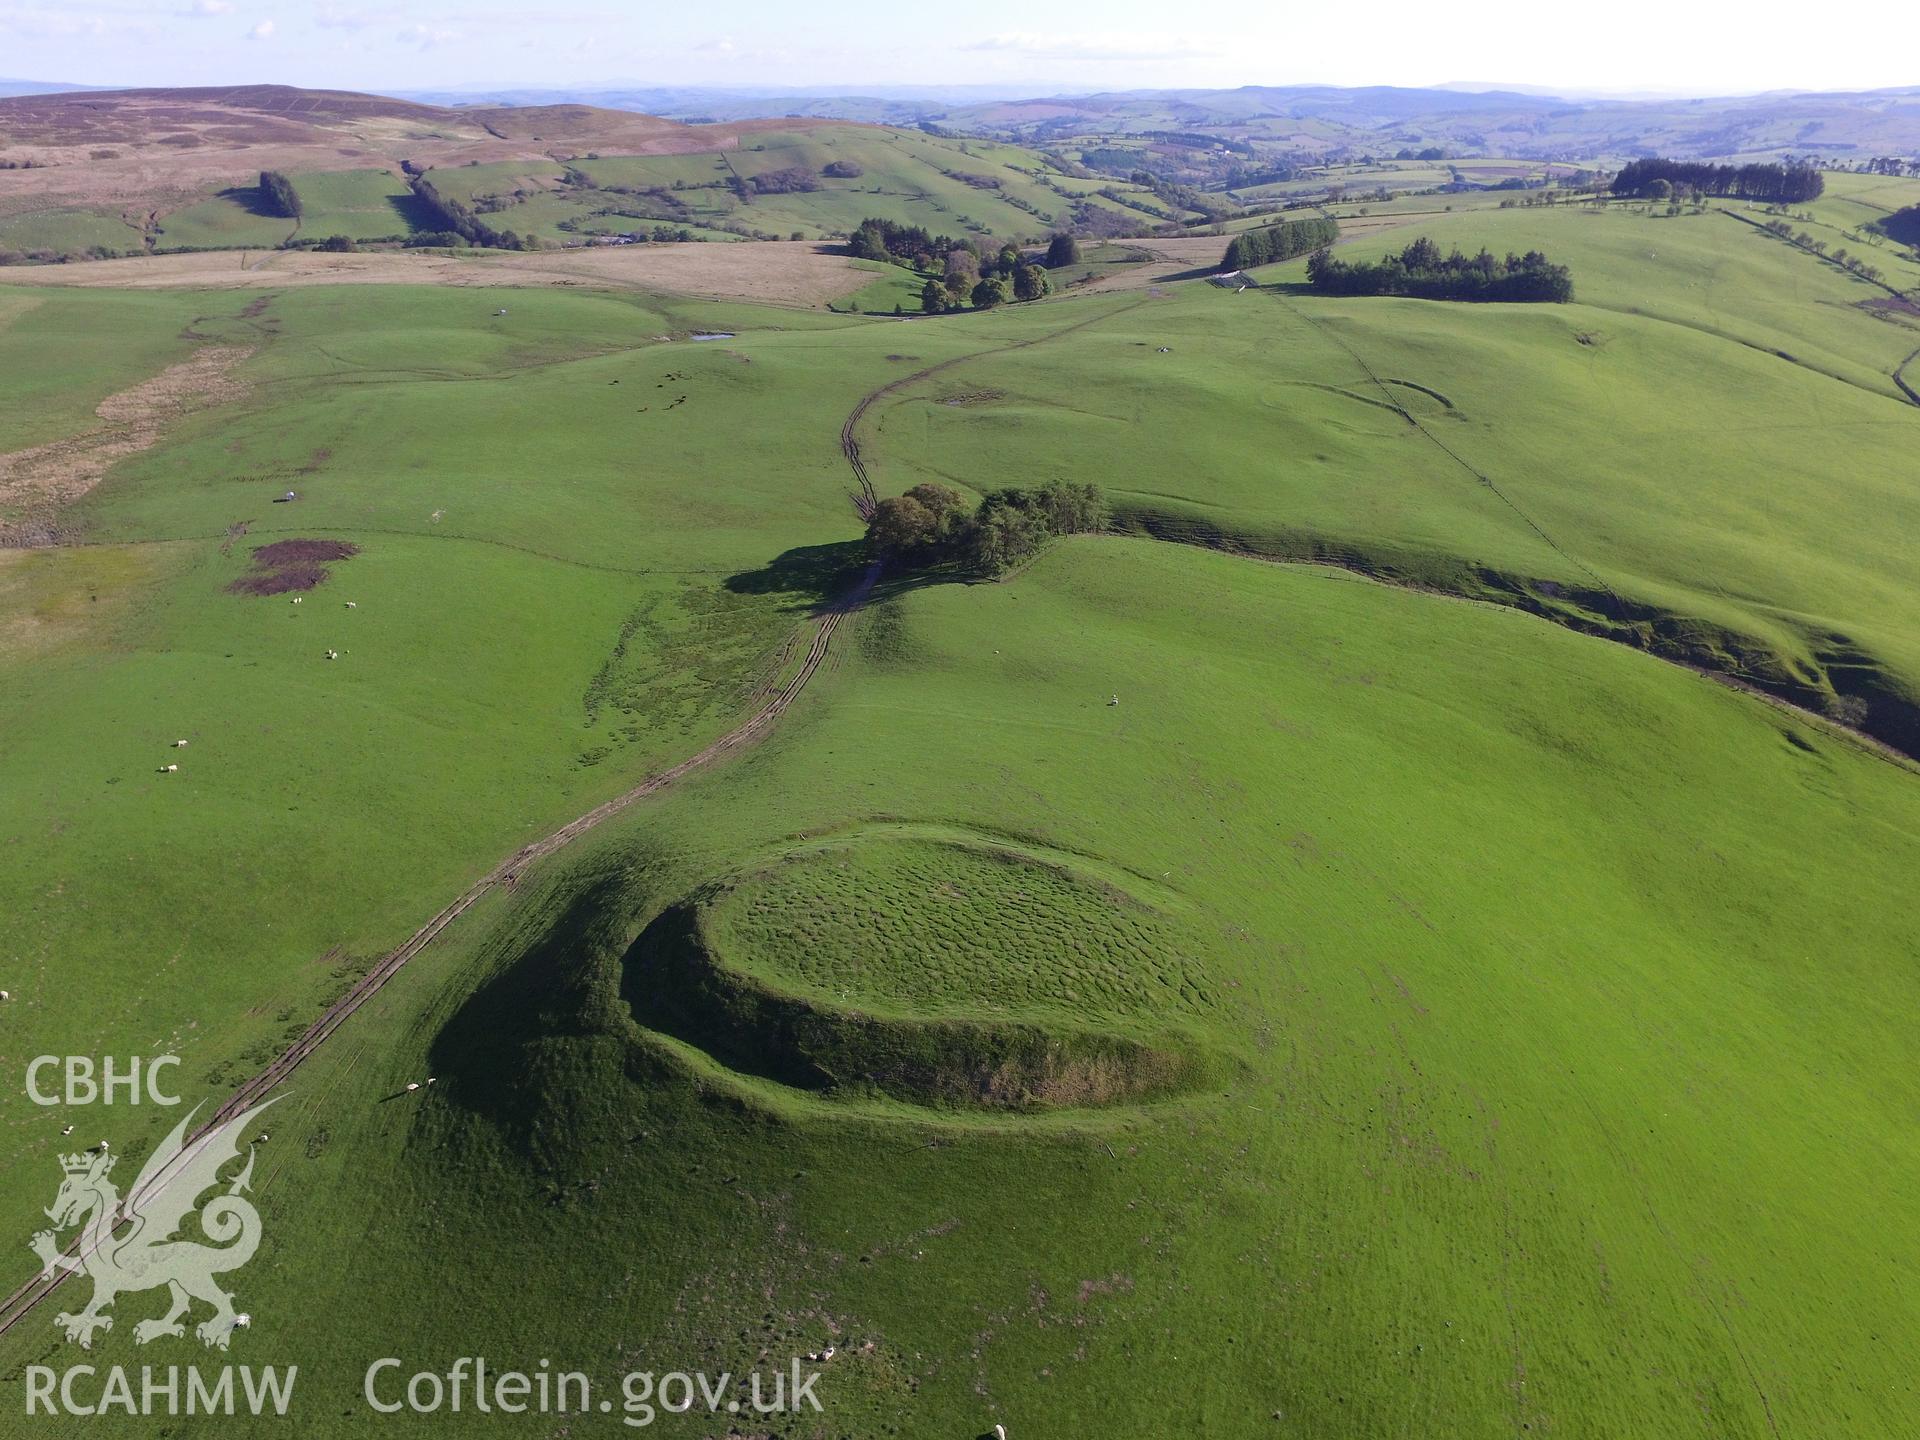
[[64, 351], [229, 221], [575, 192], [69, 231], [551, 597], [948, 186], [1167, 989], [1657, 461], [361, 204], [1501, 937]]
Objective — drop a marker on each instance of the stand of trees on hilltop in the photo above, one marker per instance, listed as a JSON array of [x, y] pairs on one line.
[[930, 524], [1422, 271], [1271, 243], [278, 195], [1782, 184]]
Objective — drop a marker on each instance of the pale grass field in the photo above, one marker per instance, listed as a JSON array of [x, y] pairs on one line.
[[780, 272]]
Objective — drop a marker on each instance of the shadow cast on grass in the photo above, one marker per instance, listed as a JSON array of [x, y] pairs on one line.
[[505, 1053], [253, 200], [414, 213], [812, 578]]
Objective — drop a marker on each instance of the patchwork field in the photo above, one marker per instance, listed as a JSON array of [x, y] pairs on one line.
[[91, 181], [1309, 963]]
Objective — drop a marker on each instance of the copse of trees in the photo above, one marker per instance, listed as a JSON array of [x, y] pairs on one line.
[[909, 245], [1781, 184], [1030, 282], [930, 525], [989, 292], [1272, 243], [456, 217], [1063, 250], [967, 272], [795, 179], [278, 195], [1422, 271]]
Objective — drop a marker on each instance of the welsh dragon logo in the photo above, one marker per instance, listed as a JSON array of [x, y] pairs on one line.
[[129, 1245]]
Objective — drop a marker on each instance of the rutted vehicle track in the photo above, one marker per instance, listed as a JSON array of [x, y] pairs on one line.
[[27, 1296], [21, 1302], [865, 498]]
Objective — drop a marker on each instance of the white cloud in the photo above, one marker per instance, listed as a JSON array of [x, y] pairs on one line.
[[262, 31], [328, 17], [427, 36], [202, 8], [1093, 46], [39, 23], [337, 17]]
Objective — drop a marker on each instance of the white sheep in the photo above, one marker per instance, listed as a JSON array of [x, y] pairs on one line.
[[412, 1085], [6, 995], [333, 654], [243, 1318], [179, 744], [296, 599], [999, 1432], [67, 1131], [352, 606], [170, 770]]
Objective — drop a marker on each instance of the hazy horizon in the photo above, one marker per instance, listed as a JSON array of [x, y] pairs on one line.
[[1666, 52], [977, 92]]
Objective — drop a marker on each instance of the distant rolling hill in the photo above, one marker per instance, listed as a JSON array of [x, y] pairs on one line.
[[133, 171], [1523, 121], [1833, 126], [36, 87]]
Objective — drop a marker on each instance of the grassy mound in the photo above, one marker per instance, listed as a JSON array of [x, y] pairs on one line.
[[1561, 996], [936, 926], [933, 973], [1563, 990]]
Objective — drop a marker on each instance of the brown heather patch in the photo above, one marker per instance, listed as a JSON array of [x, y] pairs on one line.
[[292, 552], [288, 566]]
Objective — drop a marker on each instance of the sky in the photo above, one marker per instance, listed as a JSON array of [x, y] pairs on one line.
[[1692, 47]]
